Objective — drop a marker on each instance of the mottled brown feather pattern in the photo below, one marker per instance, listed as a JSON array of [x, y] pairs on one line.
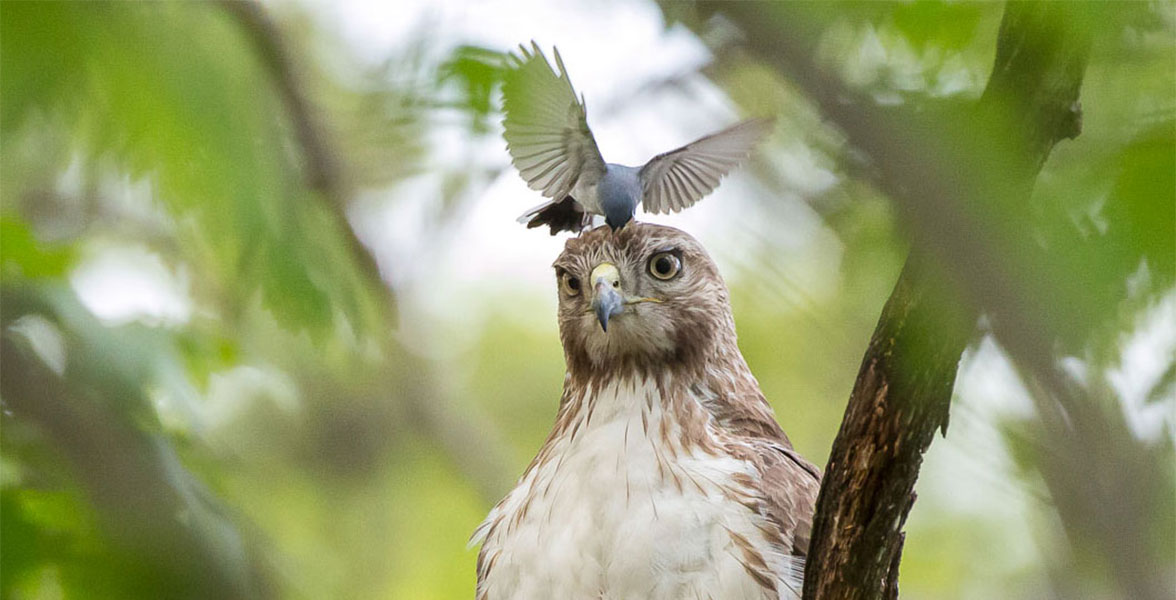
[[686, 345]]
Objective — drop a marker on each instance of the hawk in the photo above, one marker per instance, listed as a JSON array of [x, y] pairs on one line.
[[666, 475], [547, 135]]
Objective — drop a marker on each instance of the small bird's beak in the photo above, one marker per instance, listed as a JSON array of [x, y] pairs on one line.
[[607, 301]]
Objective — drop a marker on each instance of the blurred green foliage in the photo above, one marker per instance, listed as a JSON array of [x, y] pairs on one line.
[[292, 437], [175, 95]]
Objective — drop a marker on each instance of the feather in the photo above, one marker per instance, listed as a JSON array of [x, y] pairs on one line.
[[546, 127], [679, 178], [665, 474]]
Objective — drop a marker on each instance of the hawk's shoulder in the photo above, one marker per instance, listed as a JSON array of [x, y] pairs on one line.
[[788, 483]]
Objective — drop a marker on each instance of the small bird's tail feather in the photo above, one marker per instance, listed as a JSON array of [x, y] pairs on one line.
[[565, 215]]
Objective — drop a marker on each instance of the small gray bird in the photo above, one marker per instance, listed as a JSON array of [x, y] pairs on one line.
[[549, 141]]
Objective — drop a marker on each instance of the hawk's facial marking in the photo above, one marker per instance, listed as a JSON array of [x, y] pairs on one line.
[[675, 302]]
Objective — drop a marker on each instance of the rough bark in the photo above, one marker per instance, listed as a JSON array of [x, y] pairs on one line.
[[901, 397], [903, 390]]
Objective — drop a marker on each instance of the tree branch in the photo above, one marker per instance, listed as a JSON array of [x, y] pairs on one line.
[[183, 543], [903, 391], [322, 169], [471, 444]]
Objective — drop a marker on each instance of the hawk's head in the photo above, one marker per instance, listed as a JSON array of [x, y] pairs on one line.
[[643, 296]]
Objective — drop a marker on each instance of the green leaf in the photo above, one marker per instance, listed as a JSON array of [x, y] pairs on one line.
[[22, 256], [174, 94], [1142, 206], [476, 71], [946, 25]]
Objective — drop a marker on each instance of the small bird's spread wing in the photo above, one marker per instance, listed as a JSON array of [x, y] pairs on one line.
[[679, 178], [546, 129]]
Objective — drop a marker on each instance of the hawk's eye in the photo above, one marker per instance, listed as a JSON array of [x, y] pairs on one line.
[[569, 283], [664, 265]]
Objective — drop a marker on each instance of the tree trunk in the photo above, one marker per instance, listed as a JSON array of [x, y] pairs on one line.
[[903, 390]]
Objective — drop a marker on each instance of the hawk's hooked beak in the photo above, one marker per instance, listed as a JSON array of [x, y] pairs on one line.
[[606, 293]]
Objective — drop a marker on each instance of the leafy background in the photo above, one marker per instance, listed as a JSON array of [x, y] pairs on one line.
[[212, 388]]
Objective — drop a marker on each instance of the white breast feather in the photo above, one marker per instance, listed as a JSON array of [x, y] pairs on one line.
[[603, 522]]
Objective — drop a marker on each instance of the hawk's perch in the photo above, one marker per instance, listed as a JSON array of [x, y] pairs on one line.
[[666, 475]]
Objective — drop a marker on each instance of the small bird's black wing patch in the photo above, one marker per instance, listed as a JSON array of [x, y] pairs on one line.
[[565, 215]]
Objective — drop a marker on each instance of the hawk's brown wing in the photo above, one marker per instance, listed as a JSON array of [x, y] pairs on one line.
[[790, 486], [788, 482]]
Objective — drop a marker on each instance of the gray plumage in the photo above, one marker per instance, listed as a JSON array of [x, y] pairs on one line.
[[547, 135]]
